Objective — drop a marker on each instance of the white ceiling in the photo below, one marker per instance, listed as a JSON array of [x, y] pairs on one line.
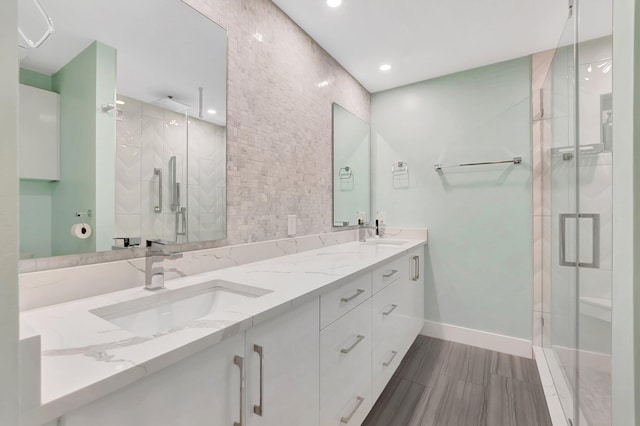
[[164, 47], [423, 39]]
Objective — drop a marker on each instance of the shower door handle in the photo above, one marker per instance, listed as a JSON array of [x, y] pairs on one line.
[[158, 172], [595, 240]]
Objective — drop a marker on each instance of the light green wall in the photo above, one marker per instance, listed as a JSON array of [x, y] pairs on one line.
[[35, 79], [35, 196], [478, 263], [82, 146], [35, 218]]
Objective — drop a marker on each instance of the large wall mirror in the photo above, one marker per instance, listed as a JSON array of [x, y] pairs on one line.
[[351, 169], [122, 115]]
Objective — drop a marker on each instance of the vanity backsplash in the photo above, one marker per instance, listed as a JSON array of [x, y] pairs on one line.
[[44, 288]]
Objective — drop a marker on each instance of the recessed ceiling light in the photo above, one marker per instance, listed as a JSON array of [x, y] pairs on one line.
[[323, 84], [211, 111], [334, 3], [119, 102], [385, 67]]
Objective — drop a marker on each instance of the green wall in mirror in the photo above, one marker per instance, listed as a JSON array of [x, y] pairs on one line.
[[351, 168], [135, 96]]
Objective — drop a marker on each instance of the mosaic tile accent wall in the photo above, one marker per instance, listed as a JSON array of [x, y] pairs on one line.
[[281, 85]]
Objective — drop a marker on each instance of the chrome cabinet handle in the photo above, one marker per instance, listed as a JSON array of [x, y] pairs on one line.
[[416, 260], [158, 172], [347, 419], [359, 339], [393, 308], [393, 355], [390, 274], [239, 361], [257, 409], [349, 299]]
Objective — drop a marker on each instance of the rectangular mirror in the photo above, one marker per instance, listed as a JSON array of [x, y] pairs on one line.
[[351, 168], [123, 126]]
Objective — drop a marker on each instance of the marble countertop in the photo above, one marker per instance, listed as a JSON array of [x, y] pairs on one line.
[[85, 357]]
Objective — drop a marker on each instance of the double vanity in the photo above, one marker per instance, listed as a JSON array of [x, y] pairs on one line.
[[304, 339]]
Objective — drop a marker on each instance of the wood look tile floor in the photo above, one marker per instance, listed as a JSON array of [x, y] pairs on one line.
[[441, 383]]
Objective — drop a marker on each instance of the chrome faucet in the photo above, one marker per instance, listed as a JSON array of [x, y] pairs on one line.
[[154, 275], [362, 227]]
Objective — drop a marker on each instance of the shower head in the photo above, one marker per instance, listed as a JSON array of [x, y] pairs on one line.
[[168, 102]]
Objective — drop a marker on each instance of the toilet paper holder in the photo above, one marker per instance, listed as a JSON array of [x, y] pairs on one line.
[[88, 213]]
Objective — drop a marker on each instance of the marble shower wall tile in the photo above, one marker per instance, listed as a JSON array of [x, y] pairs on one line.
[[541, 158], [127, 183]]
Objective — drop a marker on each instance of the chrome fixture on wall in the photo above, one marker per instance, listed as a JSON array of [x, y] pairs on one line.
[[516, 160]]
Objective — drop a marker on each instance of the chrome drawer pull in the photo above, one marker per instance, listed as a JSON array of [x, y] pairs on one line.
[[257, 409], [393, 355], [350, 348], [346, 420], [390, 274], [393, 308], [349, 299], [239, 361]]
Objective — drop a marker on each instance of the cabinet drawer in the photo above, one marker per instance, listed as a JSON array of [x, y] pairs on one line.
[[338, 302], [345, 368], [390, 272], [393, 331]]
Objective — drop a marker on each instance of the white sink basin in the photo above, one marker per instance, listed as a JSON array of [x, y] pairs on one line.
[[171, 309], [385, 241]]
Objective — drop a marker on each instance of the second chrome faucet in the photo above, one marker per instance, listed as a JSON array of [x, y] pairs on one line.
[[154, 271]]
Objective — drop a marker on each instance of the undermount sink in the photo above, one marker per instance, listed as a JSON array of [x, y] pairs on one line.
[[384, 241], [171, 309]]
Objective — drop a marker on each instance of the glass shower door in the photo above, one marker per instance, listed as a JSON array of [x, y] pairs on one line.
[[560, 152], [579, 154]]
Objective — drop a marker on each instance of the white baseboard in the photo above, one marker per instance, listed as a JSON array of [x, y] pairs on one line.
[[481, 339]]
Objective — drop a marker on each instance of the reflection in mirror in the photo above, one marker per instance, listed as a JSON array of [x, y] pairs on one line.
[[351, 174], [123, 126]]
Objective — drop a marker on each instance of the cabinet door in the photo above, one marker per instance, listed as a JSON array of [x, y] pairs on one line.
[[203, 389], [416, 282], [38, 136], [283, 369]]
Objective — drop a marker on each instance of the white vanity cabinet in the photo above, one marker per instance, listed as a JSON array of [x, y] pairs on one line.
[[277, 363], [203, 389], [322, 363], [282, 357], [397, 315]]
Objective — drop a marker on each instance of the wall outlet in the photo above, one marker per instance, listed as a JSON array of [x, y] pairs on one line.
[[382, 217], [291, 224]]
